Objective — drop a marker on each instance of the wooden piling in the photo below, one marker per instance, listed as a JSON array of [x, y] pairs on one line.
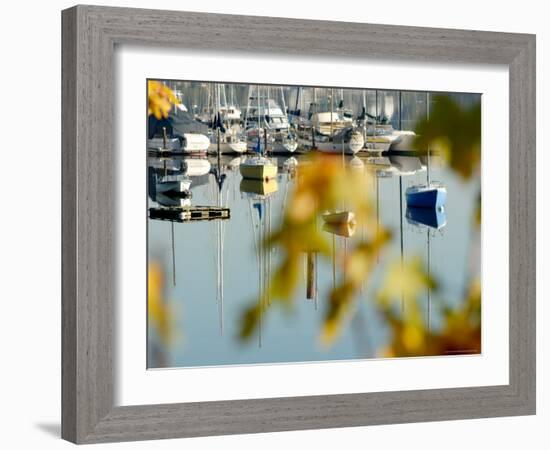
[[311, 285]]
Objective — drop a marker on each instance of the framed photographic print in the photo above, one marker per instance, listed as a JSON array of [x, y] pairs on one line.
[[270, 231]]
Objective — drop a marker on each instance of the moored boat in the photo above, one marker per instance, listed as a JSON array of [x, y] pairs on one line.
[[346, 229], [178, 133], [338, 217], [348, 141], [258, 168]]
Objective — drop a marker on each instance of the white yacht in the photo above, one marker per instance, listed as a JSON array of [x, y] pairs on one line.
[[266, 118], [331, 132]]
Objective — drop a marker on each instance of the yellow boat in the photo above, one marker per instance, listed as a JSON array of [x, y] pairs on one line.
[[338, 218], [258, 168], [346, 229], [342, 223]]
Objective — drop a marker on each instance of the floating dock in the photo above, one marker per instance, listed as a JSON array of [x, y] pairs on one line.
[[189, 214]]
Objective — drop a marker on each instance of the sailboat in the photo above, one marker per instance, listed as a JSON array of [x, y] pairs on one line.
[[179, 133], [225, 137], [331, 132], [217, 191], [429, 195], [379, 134], [432, 220], [259, 167], [344, 229], [267, 121], [339, 220], [259, 194]]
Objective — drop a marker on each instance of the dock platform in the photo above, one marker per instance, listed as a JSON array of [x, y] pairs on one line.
[[190, 214]]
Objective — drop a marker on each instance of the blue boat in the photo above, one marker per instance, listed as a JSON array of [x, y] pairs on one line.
[[426, 196]]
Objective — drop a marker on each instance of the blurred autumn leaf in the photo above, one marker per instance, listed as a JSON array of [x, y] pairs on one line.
[[459, 334], [454, 132], [404, 281], [358, 266], [324, 184], [160, 99], [160, 314]]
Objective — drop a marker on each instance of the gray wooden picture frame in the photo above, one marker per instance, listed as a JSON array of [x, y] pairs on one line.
[[90, 34]]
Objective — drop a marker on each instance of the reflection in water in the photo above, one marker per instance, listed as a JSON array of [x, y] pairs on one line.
[[210, 226]]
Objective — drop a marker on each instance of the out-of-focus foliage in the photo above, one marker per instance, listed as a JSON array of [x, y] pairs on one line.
[[358, 266], [460, 333], [453, 131], [323, 184], [160, 99], [403, 282], [160, 314]]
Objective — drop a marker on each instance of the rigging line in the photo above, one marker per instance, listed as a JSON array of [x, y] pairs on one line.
[[401, 232], [429, 288], [333, 262], [253, 228], [173, 257]]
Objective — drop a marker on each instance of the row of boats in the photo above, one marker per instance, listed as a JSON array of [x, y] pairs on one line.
[[267, 127], [171, 178]]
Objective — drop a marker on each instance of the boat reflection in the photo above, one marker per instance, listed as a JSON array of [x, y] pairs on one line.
[[434, 218], [261, 188], [195, 190]]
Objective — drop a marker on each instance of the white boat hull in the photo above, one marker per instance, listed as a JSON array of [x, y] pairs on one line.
[[191, 143], [338, 144], [404, 141], [283, 147], [329, 147], [377, 145], [228, 148], [195, 143]]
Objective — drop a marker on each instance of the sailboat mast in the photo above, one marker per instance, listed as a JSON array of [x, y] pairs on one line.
[[220, 263], [247, 107], [284, 103], [218, 137], [313, 126], [331, 109], [173, 256], [365, 118], [428, 117], [259, 139], [429, 276], [401, 231], [377, 212]]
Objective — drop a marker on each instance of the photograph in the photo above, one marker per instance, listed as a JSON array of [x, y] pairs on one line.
[[275, 225], [296, 224]]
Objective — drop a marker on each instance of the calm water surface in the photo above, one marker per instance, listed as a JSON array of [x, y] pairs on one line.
[[213, 269]]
